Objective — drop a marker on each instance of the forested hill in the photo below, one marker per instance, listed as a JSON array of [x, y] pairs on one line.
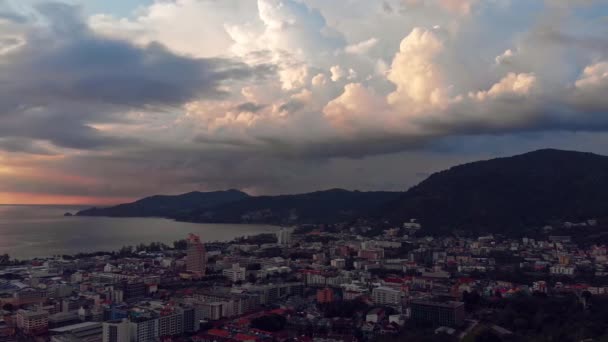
[[508, 193]]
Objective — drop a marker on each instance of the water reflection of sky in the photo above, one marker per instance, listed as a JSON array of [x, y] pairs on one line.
[[31, 231]]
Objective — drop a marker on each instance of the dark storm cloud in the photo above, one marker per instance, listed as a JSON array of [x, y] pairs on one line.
[[24, 145], [66, 77]]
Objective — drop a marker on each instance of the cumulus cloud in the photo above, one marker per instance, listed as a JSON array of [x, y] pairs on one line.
[[192, 27], [183, 90], [593, 75], [414, 72], [591, 88], [296, 37], [350, 112], [319, 80], [337, 73], [512, 84]]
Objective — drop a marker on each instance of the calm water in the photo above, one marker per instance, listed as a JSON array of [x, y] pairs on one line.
[[39, 231]]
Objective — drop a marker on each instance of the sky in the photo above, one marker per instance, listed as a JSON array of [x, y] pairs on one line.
[[105, 101]]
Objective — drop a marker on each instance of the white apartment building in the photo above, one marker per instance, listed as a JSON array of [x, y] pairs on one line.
[[563, 270], [235, 273], [386, 296], [116, 331]]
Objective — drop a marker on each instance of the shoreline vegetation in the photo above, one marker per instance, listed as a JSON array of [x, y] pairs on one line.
[[142, 248]]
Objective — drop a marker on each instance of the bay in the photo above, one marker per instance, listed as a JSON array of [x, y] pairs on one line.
[[41, 231]]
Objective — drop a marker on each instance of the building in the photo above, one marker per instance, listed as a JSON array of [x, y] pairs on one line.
[[196, 258], [81, 332], [375, 315], [171, 324], [372, 253], [449, 314], [284, 237], [235, 273], [338, 263], [386, 296], [30, 295], [271, 293], [133, 291], [144, 329], [116, 331], [33, 322], [562, 270], [325, 295], [210, 311]]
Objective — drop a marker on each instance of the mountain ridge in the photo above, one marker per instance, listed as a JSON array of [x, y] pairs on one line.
[[494, 195], [337, 203], [167, 205]]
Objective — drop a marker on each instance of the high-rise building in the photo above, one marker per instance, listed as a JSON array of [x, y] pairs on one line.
[[284, 237], [116, 331], [196, 258], [171, 323], [144, 329]]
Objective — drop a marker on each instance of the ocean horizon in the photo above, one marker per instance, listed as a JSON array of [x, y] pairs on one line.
[[38, 231]]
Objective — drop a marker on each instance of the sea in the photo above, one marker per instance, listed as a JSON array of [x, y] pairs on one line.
[[31, 231]]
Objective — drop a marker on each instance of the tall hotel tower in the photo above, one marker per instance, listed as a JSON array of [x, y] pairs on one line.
[[196, 258]]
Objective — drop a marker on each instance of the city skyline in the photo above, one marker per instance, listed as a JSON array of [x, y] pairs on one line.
[[103, 102]]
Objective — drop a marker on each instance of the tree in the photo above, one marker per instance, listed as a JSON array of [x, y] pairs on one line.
[[254, 267], [125, 251], [471, 300], [181, 245], [5, 259]]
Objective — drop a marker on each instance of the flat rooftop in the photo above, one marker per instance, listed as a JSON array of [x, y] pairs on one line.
[[77, 326]]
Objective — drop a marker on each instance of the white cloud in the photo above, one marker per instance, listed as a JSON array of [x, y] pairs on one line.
[[361, 47], [337, 73], [356, 110], [505, 57], [187, 26], [419, 81], [293, 77], [319, 80], [512, 84], [593, 75], [591, 88]]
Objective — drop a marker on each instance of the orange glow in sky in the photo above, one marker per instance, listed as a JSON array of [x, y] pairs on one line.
[[31, 198]]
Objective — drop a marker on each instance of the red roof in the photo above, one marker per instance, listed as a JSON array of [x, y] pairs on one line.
[[219, 332], [278, 311], [243, 321], [243, 337]]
